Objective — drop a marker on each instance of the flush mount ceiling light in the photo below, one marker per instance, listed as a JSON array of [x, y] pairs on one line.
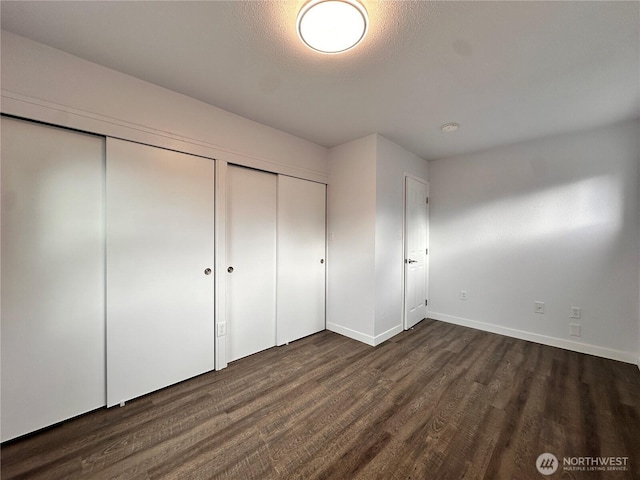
[[450, 127], [332, 26]]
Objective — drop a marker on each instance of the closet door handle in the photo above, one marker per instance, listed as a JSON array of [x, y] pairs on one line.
[[230, 269], [207, 271]]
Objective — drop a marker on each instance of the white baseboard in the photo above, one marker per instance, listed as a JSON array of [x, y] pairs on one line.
[[347, 332], [363, 337], [622, 356], [384, 336]]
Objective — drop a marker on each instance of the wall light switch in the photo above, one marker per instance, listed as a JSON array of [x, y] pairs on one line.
[[463, 294]]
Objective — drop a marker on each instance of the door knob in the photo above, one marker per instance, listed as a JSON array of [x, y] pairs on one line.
[[230, 269], [207, 271], [412, 261], [322, 260]]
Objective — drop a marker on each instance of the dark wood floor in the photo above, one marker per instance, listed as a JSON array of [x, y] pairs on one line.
[[436, 402]]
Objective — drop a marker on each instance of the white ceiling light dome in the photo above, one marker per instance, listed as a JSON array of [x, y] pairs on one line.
[[332, 26]]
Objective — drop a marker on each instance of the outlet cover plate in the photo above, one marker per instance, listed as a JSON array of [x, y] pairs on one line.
[[222, 329], [539, 307]]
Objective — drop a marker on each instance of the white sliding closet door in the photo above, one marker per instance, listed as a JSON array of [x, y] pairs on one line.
[[53, 326], [301, 253], [160, 308], [251, 258]]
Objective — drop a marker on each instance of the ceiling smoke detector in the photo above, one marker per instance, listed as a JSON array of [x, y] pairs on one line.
[[332, 26], [450, 127]]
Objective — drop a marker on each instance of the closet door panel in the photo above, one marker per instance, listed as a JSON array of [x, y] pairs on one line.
[[251, 253], [301, 254], [53, 326], [160, 302]]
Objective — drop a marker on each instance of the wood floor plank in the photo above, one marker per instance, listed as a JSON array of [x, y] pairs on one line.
[[438, 401]]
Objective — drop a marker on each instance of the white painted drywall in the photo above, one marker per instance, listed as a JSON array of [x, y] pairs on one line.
[[351, 217], [393, 162], [552, 220], [365, 218], [42, 83]]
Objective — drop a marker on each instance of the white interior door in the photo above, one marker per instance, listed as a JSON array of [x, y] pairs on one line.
[[160, 307], [301, 254], [251, 260], [416, 245], [53, 326]]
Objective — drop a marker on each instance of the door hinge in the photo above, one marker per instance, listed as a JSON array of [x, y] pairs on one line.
[[426, 251], [427, 200], [426, 302]]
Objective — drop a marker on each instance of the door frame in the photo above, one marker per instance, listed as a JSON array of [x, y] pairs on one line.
[[404, 248]]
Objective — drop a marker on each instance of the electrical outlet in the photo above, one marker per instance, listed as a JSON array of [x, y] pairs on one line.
[[463, 294], [576, 312], [575, 330], [222, 329], [539, 307]]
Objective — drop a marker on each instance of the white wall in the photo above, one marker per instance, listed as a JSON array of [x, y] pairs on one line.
[[351, 212], [42, 83], [393, 162], [365, 215], [553, 220]]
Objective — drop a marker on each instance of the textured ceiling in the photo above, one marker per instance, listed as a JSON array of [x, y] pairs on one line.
[[506, 71]]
